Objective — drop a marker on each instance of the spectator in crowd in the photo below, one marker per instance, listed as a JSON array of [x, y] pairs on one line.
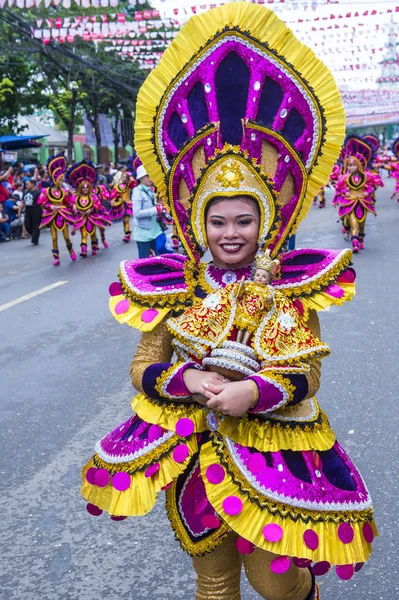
[[101, 178], [5, 188], [17, 222], [18, 190], [146, 213], [4, 225], [33, 211], [108, 176], [11, 208]]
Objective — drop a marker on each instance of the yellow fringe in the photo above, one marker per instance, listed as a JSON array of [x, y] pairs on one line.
[[272, 436], [265, 27], [167, 415], [132, 316], [323, 301], [141, 496], [251, 521], [193, 549]]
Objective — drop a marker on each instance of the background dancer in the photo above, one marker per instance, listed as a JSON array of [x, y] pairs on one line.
[[87, 206], [57, 207]]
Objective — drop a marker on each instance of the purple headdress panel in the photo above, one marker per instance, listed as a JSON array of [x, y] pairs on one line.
[[355, 146], [82, 172], [238, 95], [56, 167]]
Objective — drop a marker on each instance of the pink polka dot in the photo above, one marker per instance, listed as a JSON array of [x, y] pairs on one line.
[[232, 505], [184, 427], [302, 563], [257, 463], [101, 478], [210, 521], [118, 518], [149, 315], [121, 481], [180, 453], [94, 510], [321, 568], [122, 307], [152, 470], [115, 289], [358, 566], [154, 432], [368, 533], [90, 474], [244, 546], [273, 532], [345, 572], [311, 539], [346, 533], [215, 474], [280, 565]]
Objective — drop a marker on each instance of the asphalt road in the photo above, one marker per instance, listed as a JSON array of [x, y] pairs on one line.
[[65, 383]]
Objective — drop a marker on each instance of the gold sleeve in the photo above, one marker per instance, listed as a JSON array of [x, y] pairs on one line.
[[154, 347], [313, 377]]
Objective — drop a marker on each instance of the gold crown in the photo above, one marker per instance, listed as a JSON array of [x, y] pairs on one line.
[[266, 263]]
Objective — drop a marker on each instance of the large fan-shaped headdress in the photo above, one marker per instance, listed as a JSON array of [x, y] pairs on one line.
[[56, 167], [373, 141], [83, 172], [237, 105], [395, 147], [356, 147]]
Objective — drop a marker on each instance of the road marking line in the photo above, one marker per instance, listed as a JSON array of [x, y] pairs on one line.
[[31, 295]]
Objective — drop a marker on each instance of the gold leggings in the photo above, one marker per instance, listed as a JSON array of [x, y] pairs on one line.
[[54, 236], [356, 228], [93, 236], [219, 573], [126, 224]]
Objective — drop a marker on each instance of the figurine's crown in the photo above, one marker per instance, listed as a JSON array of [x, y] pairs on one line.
[[265, 262]]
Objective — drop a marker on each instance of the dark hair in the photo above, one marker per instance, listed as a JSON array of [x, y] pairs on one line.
[[218, 199]]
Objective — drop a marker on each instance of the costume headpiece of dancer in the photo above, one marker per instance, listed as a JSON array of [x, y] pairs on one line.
[[373, 141], [56, 167], [238, 106], [83, 172], [395, 147], [358, 149]]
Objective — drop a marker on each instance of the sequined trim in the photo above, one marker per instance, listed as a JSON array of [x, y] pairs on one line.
[[264, 495]]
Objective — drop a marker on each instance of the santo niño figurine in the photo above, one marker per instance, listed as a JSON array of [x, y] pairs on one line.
[[254, 298]]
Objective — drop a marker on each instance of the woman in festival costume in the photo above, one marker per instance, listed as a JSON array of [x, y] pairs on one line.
[[355, 190], [394, 168], [256, 475], [57, 207], [89, 212], [121, 204], [104, 195]]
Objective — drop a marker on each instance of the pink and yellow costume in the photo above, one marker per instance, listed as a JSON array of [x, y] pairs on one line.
[[394, 168], [57, 207], [121, 205], [89, 212], [272, 489], [355, 193]]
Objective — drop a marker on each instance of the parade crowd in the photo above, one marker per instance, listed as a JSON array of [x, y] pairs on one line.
[[86, 199]]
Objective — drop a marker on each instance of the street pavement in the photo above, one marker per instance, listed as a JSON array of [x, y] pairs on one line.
[[65, 383]]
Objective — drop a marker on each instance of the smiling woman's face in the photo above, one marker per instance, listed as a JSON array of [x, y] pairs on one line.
[[232, 228]]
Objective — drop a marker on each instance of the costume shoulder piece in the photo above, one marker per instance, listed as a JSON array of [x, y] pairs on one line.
[[148, 289], [317, 278]]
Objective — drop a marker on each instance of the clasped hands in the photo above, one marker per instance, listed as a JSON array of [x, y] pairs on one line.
[[233, 398]]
